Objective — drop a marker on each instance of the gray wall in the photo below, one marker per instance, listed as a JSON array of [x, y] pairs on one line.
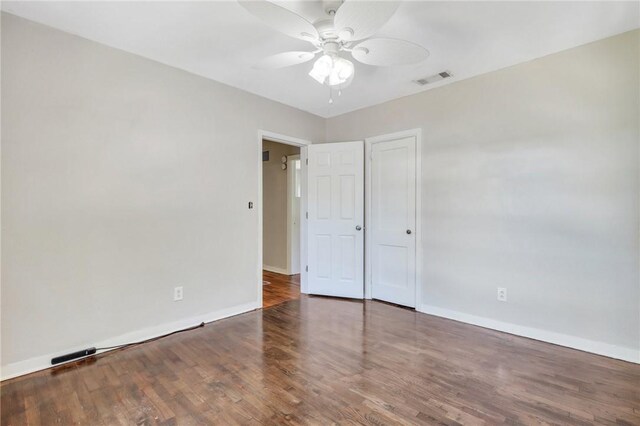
[[274, 204], [530, 180], [122, 178]]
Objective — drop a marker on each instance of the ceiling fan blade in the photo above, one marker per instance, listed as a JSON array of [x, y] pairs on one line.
[[383, 52], [356, 20], [281, 19], [284, 59]]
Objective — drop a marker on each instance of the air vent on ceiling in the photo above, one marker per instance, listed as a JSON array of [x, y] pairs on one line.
[[433, 78]]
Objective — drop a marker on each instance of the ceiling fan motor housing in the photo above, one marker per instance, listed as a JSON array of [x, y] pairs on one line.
[[326, 29], [331, 48]]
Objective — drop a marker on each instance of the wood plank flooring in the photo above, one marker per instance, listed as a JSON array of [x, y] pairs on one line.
[[278, 288], [322, 361]]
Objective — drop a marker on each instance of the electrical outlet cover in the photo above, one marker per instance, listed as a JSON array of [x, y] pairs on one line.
[[177, 293], [502, 294]]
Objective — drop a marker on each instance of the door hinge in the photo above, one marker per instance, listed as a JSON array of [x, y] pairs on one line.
[[306, 268], [307, 215], [307, 161]]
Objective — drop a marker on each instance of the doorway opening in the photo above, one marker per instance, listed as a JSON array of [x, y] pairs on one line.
[[341, 186], [281, 222]]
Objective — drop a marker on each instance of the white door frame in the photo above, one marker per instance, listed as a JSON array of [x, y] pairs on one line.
[[368, 142], [303, 144], [290, 228]]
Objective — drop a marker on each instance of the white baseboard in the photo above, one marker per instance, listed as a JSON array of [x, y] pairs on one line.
[[275, 269], [600, 348], [43, 362]]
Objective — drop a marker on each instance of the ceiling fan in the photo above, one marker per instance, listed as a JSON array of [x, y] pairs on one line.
[[345, 29]]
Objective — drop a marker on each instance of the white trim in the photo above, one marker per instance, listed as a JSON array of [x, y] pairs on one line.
[[367, 214], [290, 228], [368, 142], [44, 361], [275, 269], [287, 140], [304, 284], [574, 342], [276, 137]]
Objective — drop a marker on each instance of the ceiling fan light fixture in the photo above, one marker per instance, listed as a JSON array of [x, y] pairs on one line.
[[332, 70], [321, 69], [342, 71]]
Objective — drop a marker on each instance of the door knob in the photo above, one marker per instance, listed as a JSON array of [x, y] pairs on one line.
[[358, 228], [409, 231]]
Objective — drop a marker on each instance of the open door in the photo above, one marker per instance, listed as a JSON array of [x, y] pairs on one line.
[[335, 227]]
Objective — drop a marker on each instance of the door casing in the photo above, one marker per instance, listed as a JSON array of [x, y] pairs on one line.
[[293, 244], [368, 142], [303, 144]]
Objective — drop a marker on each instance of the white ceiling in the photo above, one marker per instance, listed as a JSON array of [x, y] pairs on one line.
[[221, 40]]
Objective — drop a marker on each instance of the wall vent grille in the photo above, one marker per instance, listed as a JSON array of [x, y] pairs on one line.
[[433, 78]]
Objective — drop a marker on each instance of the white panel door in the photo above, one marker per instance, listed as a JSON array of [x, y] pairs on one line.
[[335, 204], [393, 221]]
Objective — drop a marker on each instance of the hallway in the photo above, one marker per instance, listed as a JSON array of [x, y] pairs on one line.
[[279, 288]]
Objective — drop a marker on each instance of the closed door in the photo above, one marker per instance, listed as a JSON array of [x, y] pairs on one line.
[[393, 220], [335, 223]]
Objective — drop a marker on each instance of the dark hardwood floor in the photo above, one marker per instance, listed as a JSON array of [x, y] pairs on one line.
[[278, 288], [320, 360]]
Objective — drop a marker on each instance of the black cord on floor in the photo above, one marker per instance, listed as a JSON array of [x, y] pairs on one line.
[[124, 345]]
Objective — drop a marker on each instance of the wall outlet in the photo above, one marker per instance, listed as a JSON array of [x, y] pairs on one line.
[[502, 294], [177, 293]]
